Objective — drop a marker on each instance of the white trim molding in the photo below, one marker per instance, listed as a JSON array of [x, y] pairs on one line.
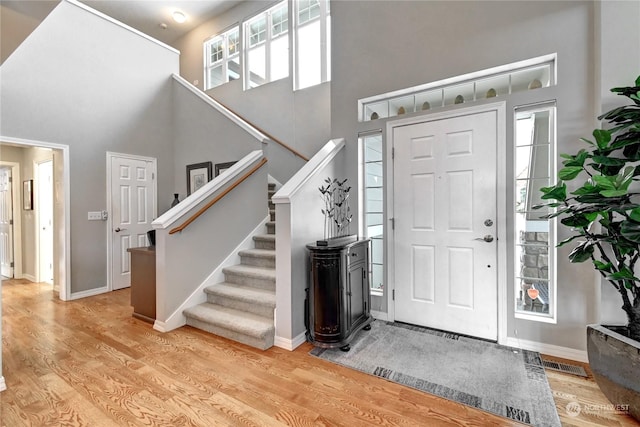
[[89, 293], [290, 344], [63, 275], [120, 24], [317, 162], [3, 384], [548, 349]]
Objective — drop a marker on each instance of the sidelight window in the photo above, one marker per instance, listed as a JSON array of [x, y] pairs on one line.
[[373, 204], [535, 253]]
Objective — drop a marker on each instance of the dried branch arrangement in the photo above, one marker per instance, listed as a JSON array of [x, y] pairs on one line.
[[337, 213]]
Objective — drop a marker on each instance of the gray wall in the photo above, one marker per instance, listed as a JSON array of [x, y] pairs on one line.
[[386, 46], [617, 67], [300, 119], [80, 81], [203, 134]]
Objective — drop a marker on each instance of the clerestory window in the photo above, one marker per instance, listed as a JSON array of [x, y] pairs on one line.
[[313, 43], [222, 58], [267, 46]]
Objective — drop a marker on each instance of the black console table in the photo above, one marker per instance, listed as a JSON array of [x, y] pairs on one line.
[[338, 300]]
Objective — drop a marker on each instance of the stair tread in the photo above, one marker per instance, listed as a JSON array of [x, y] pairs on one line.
[[271, 237], [252, 271], [243, 293], [258, 253], [240, 321]]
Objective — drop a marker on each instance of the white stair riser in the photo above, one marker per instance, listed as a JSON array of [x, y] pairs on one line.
[[264, 244], [271, 228], [256, 282], [258, 261], [250, 307]]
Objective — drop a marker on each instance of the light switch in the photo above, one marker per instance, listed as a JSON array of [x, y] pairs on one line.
[[95, 216]]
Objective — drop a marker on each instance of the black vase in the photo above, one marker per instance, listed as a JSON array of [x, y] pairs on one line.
[[175, 200]]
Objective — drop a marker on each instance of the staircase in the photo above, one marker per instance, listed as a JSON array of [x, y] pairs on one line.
[[242, 307]]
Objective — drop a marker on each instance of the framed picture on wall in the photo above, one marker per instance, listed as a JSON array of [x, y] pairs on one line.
[[221, 167], [198, 174], [27, 195]]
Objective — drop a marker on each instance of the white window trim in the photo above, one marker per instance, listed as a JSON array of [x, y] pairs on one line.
[[208, 65], [267, 43], [325, 16]]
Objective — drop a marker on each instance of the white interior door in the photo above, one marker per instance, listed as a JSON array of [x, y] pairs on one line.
[[44, 209], [6, 223], [132, 211], [444, 183]]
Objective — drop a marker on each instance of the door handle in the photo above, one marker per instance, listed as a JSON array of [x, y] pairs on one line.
[[488, 238], [117, 230]]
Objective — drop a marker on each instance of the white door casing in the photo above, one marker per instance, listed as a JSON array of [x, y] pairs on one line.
[[445, 275], [6, 222], [132, 207], [44, 210]]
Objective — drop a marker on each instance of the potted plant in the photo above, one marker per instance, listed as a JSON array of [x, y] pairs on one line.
[[603, 213]]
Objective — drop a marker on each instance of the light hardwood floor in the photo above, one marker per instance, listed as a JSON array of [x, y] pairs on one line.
[[89, 363]]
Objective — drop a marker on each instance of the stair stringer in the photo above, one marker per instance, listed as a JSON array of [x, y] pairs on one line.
[[198, 296]]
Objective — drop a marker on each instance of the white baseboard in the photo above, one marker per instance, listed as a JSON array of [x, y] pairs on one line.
[[161, 326], [3, 385], [88, 293], [29, 277], [198, 296], [288, 344], [379, 315], [548, 349]]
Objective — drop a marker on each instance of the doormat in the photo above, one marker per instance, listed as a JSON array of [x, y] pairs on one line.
[[501, 380]]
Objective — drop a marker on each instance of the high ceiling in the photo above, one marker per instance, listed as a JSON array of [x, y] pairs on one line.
[[144, 15]]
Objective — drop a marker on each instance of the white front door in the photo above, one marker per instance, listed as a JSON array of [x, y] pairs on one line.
[[133, 208], [6, 222], [44, 209], [445, 251]]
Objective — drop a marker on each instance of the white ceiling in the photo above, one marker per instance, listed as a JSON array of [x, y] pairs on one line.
[[143, 15]]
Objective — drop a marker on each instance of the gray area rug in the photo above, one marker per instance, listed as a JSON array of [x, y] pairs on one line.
[[501, 380]]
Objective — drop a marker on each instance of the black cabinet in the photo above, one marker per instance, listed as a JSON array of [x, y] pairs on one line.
[[338, 299]]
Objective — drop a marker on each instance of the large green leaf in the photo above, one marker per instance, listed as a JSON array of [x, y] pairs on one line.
[[577, 221], [635, 214], [581, 253], [604, 182], [603, 137], [609, 161], [602, 266], [557, 192], [613, 193], [577, 160], [623, 274], [570, 172], [631, 231]]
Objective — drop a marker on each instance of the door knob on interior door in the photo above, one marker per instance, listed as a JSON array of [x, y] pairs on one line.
[[488, 238], [117, 230]]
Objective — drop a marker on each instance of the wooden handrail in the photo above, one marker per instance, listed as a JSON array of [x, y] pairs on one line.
[[271, 137], [218, 197]]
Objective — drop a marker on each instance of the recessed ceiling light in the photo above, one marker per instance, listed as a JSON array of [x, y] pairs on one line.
[[179, 17]]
